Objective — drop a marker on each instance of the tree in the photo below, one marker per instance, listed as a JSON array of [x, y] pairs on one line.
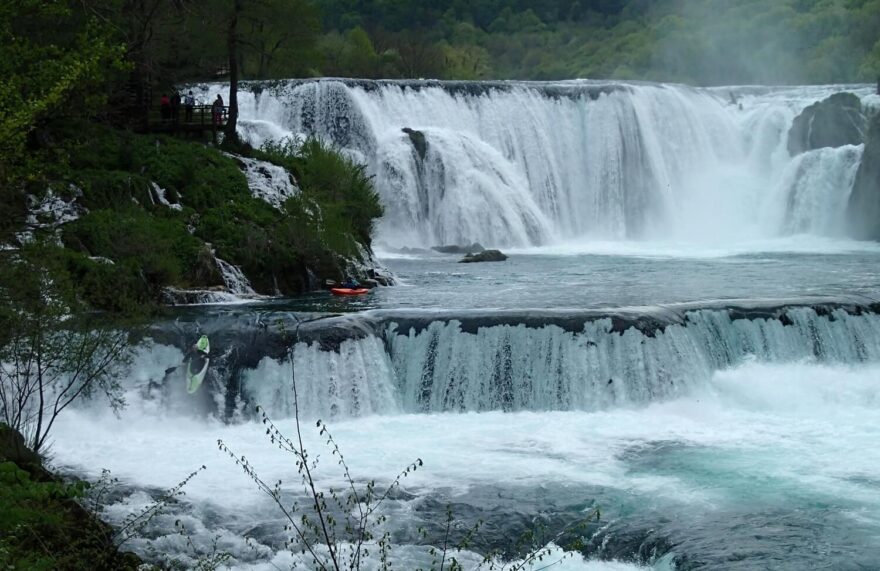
[[279, 37], [51, 353], [55, 63]]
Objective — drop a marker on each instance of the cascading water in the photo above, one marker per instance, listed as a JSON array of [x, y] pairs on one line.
[[817, 188], [267, 181], [446, 366], [525, 164], [235, 280]]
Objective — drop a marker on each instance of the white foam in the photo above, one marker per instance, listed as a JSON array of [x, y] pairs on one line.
[[801, 429], [515, 167]]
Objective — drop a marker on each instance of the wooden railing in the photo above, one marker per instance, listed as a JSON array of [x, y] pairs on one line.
[[201, 118]]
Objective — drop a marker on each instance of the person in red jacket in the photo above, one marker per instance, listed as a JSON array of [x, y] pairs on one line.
[[165, 107]]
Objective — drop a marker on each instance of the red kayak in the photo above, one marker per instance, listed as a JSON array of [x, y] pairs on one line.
[[347, 291]]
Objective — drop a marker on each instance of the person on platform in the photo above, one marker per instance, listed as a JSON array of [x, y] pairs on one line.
[[165, 107], [189, 102], [217, 111]]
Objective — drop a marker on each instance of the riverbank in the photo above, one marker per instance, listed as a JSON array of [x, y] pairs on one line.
[[43, 524], [143, 220]]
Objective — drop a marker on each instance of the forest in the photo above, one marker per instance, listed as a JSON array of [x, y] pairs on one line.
[[702, 42]]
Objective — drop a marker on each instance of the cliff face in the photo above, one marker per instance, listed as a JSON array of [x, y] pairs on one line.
[[864, 203]]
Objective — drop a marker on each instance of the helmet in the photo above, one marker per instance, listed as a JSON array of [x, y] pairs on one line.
[[202, 344]]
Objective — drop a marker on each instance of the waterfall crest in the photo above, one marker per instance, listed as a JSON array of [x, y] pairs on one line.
[[526, 164], [436, 365]]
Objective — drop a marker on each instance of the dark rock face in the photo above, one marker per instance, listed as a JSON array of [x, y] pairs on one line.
[[418, 141], [484, 256], [456, 249], [834, 122], [13, 449], [863, 210]]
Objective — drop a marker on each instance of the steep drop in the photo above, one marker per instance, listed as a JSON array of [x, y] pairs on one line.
[[525, 164]]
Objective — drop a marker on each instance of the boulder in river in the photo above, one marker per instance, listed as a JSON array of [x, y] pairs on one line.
[[484, 256], [833, 122], [864, 202]]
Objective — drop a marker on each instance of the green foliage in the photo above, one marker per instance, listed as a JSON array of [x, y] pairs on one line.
[[694, 41], [159, 248], [195, 175], [50, 68], [35, 522], [55, 354], [54, 63], [341, 188]]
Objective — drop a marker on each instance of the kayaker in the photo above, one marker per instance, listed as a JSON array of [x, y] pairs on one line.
[[198, 353], [351, 283]]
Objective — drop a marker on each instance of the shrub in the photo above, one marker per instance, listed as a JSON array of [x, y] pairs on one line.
[[341, 187], [161, 248]]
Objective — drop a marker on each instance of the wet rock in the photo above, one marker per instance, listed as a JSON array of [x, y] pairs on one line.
[[214, 294], [419, 142], [864, 202], [484, 256], [834, 122], [456, 249], [329, 283], [13, 449], [370, 283]]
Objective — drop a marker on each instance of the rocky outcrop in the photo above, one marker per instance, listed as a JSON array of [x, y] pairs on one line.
[[13, 449], [834, 122], [484, 256], [474, 248], [418, 141], [864, 202], [179, 296]]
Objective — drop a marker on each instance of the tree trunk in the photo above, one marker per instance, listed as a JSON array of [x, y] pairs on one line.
[[232, 45]]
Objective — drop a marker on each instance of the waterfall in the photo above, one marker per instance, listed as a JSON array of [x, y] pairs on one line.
[[160, 195], [816, 188], [268, 181], [451, 365], [234, 279], [524, 164]]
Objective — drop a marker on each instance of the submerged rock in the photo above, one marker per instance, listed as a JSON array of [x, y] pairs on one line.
[[456, 249], [834, 122], [484, 256], [213, 294], [863, 210]]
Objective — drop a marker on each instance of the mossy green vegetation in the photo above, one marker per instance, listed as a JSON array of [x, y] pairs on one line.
[[42, 525], [717, 42], [128, 246]]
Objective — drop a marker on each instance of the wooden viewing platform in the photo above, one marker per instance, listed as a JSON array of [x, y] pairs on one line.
[[202, 120]]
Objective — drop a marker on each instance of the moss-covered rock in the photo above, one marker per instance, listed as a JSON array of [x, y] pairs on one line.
[[42, 526]]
